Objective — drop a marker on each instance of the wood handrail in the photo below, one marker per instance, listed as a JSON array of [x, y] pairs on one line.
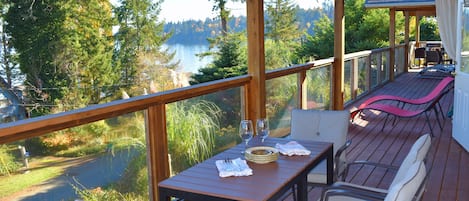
[[288, 71], [13, 131]]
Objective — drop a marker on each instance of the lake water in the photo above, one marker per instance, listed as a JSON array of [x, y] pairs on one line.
[[187, 55]]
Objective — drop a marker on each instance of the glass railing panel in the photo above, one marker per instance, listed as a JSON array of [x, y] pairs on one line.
[[104, 160], [201, 127], [319, 87], [384, 74], [348, 65], [362, 75], [375, 68], [281, 97], [399, 58]]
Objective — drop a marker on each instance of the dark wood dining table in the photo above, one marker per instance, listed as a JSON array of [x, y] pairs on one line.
[[269, 181]]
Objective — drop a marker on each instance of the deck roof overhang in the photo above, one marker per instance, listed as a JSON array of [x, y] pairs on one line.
[[413, 7]]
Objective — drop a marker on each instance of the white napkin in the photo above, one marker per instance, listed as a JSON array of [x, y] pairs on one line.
[[233, 167], [292, 148]]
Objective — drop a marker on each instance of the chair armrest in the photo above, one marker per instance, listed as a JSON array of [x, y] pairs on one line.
[[373, 164], [363, 163], [337, 160], [342, 149], [351, 191]]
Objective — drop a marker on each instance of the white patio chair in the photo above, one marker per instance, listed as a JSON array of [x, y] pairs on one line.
[[325, 126], [404, 189], [416, 154]]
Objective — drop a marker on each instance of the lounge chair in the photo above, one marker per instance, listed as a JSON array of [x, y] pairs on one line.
[[444, 83], [406, 113]]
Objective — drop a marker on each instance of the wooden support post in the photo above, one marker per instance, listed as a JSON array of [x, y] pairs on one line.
[[417, 31], [256, 59], [406, 41], [157, 148], [354, 78], [392, 43], [339, 51]]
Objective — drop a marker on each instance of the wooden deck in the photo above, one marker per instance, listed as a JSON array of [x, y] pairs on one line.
[[449, 162]]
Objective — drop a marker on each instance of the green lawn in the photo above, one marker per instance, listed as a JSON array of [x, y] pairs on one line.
[[14, 183]]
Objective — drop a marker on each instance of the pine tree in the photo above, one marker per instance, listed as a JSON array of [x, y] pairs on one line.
[[64, 48], [139, 40], [224, 13], [229, 61], [364, 29], [283, 31], [86, 52], [282, 24]]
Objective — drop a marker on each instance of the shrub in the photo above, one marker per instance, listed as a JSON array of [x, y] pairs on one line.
[[8, 164]]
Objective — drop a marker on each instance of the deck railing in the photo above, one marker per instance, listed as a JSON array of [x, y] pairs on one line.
[[364, 71]]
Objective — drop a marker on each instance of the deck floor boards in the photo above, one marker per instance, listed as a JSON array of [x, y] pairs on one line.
[[449, 162]]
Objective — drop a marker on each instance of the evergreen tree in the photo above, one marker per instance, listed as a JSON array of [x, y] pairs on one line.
[[364, 29], [85, 55], [224, 13], [34, 29], [321, 44], [9, 68], [220, 5], [282, 24], [139, 39], [283, 30], [429, 29], [64, 48], [229, 61]]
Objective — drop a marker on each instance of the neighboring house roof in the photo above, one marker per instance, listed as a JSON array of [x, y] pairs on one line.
[[415, 7], [14, 110]]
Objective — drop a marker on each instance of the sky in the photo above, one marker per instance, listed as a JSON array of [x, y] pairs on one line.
[[180, 10]]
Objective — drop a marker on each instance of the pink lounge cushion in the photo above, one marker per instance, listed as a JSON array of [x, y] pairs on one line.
[[391, 109], [371, 102], [433, 94]]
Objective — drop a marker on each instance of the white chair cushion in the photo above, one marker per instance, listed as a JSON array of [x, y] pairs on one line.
[[417, 152], [407, 188], [318, 174], [325, 126]]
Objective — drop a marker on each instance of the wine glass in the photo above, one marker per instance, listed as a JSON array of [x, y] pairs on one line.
[[262, 126], [245, 132]]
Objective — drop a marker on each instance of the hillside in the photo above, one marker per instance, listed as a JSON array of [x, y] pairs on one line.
[[194, 32]]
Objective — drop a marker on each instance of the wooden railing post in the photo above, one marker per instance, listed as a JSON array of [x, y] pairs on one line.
[[407, 62], [303, 90], [392, 43], [157, 148], [368, 72], [354, 78]]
